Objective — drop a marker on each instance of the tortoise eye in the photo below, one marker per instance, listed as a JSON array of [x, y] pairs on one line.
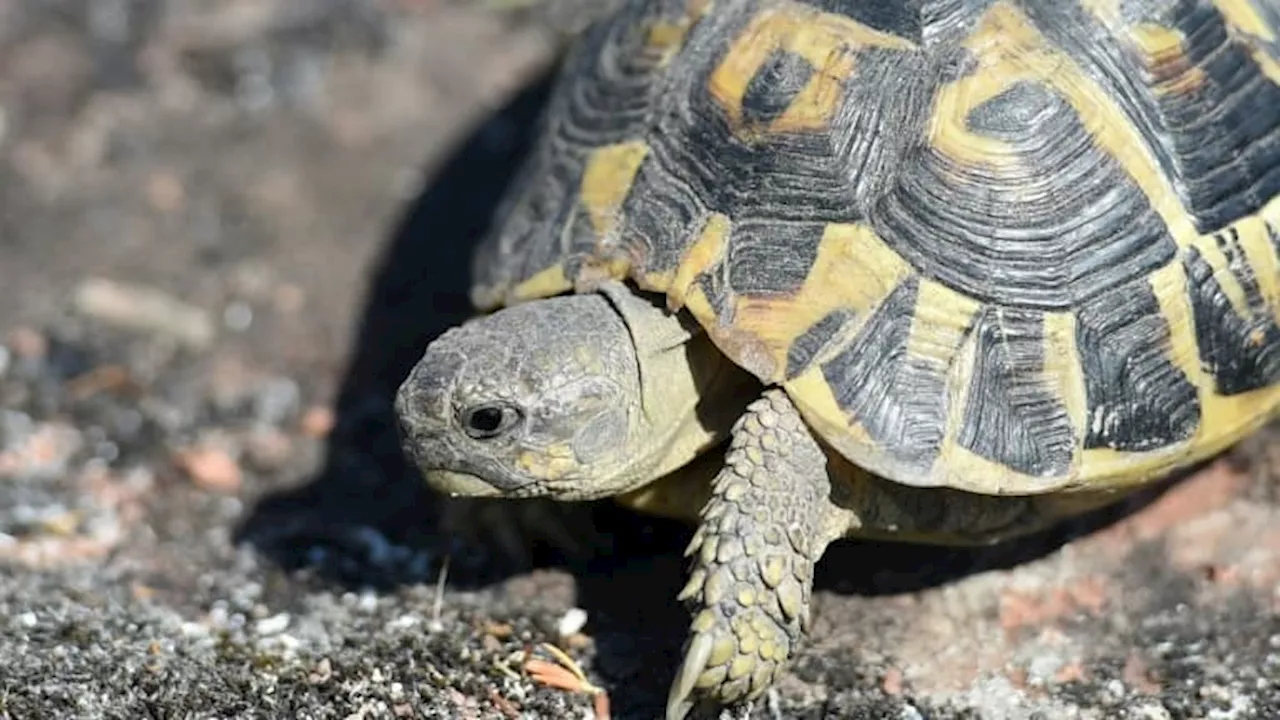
[[490, 420]]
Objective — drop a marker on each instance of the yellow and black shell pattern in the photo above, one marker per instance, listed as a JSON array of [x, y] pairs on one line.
[[1005, 246]]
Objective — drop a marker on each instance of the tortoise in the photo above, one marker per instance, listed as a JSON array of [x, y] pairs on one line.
[[935, 271]]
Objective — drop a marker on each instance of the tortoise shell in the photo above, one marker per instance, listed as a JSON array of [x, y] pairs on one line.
[[1004, 247]]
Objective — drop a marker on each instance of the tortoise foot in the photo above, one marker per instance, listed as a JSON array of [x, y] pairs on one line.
[[729, 660], [768, 520]]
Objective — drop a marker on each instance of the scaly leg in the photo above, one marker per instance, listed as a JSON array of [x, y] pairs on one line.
[[768, 521]]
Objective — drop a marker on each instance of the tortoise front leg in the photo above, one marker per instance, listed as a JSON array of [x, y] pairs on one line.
[[769, 519]]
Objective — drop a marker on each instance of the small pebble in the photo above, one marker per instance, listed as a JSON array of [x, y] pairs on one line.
[[572, 622], [317, 421], [891, 681], [1151, 711], [501, 631], [321, 673], [211, 468], [404, 622], [144, 309], [273, 625]]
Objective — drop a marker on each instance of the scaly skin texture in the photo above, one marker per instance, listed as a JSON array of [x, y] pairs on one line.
[[769, 519]]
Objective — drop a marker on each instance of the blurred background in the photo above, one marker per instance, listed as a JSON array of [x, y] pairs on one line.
[[227, 230]]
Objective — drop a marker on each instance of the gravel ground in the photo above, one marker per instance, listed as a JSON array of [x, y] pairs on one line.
[[227, 229]]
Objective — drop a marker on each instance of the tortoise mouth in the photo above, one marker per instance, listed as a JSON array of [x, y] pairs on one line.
[[459, 484]]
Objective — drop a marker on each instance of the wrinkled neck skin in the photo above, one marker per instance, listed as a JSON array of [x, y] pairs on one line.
[[690, 392], [606, 391]]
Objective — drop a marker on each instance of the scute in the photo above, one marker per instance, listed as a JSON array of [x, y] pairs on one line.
[[597, 118], [899, 397], [1011, 414], [905, 18], [1138, 398], [1001, 246]]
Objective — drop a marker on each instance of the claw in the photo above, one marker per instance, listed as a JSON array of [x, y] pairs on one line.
[[695, 662]]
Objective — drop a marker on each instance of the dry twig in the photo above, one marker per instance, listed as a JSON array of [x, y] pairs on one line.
[[566, 674]]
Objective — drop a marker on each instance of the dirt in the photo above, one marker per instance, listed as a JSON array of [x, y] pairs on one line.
[[228, 229]]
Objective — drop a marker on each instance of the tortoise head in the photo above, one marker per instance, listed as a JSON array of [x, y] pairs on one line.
[[576, 397]]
